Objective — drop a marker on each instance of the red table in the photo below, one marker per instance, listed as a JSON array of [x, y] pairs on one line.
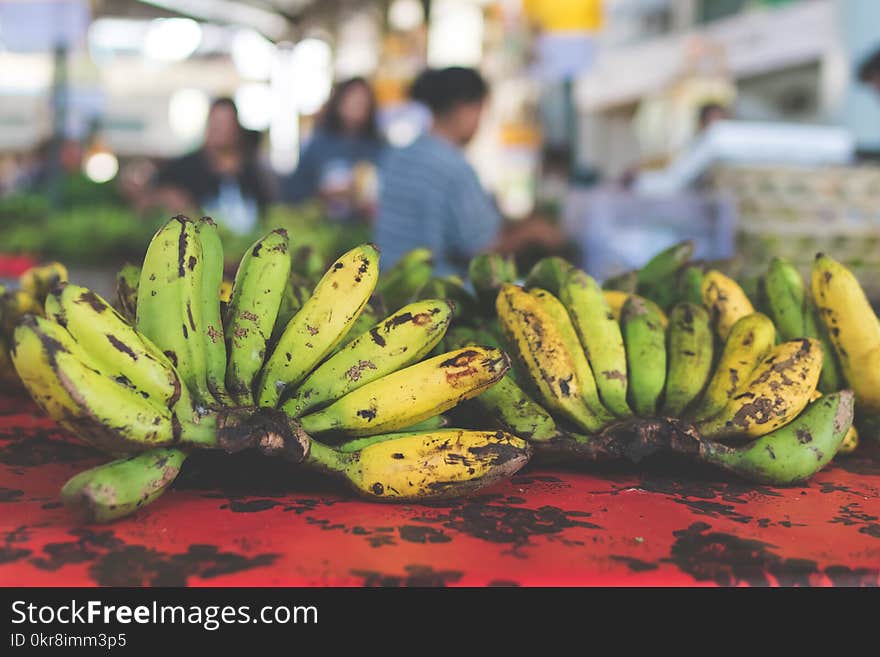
[[223, 524]]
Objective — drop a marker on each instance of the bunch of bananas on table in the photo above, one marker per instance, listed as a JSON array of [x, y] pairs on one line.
[[602, 374], [292, 374], [26, 297]]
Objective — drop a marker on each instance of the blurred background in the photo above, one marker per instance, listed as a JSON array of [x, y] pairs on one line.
[[608, 129]]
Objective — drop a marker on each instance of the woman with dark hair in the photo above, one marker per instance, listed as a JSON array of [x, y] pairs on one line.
[[430, 196], [346, 137], [222, 178]]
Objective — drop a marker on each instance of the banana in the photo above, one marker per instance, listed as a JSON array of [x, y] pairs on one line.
[[656, 280], [364, 322], [559, 315], [749, 341], [296, 293], [645, 341], [39, 281], [250, 317], [615, 301], [211, 329], [505, 402], [127, 281], [793, 452], [322, 322], [34, 345], [412, 394], [786, 298], [853, 328], [624, 282], [487, 273], [600, 337], [169, 303], [426, 466], [831, 378], [549, 351], [395, 342], [725, 300], [689, 355], [431, 424], [548, 274], [15, 304], [114, 347], [775, 393], [63, 380], [850, 441], [400, 284], [119, 488], [690, 285]]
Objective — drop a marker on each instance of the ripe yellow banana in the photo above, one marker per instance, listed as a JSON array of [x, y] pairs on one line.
[[39, 281], [397, 341], [114, 347], [749, 341], [410, 395], [322, 322], [725, 300], [425, 466], [853, 328], [775, 394], [545, 351]]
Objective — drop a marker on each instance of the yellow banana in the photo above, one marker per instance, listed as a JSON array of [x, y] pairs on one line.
[[853, 328], [322, 322], [725, 300], [395, 342], [114, 346], [39, 281], [413, 394], [539, 343], [777, 391], [425, 466], [750, 338]]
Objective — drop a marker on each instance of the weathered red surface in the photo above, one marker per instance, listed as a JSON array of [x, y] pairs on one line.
[[233, 521]]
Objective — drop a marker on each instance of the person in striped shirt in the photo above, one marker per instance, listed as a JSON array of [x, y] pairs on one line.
[[430, 196]]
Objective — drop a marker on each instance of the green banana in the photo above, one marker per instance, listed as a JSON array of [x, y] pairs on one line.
[[749, 341], [424, 466], [793, 452], [793, 312], [402, 282], [464, 305], [690, 285], [117, 489], [211, 329], [321, 323], [256, 297], [505, 402], [600, 337], [623, 282], [645, 341], [169, 303], [412, 394], [114, 347], [127, 281], [395, 342], [296, 293], [656, 280], [487, 273], [548, 274], [689, 356]]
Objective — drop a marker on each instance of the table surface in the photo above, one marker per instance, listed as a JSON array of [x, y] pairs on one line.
[[246, 520]]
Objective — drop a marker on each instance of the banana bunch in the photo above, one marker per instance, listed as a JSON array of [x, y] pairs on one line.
[[601, 373], [26, 298], [274, 366]]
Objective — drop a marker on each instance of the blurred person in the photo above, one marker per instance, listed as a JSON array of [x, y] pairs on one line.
[[222, 178], [430, 196], [869, 71], [346, 139]]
